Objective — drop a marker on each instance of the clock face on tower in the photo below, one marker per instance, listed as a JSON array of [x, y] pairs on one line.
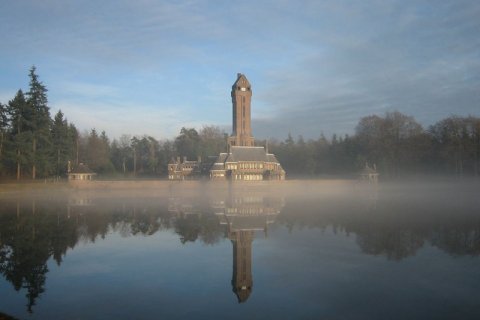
[[243, 89]]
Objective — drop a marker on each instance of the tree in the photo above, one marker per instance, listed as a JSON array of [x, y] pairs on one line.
[[456, 143], [3, 132], [21, 131], [97, 152], [213, 140], [123, 153], [389, 141], [401, 132], [369, 133], [74, 137], [187, 143], [63, 142], [153, 149], [41, 140]]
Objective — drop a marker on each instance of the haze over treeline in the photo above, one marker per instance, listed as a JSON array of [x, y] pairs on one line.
[[35, 145]]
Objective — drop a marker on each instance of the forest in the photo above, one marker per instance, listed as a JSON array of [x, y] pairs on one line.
[[33, 145]]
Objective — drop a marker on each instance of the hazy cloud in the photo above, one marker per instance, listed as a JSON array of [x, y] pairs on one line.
[[315, 66]]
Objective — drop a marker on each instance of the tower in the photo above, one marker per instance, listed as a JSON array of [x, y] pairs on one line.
[[241, 102]]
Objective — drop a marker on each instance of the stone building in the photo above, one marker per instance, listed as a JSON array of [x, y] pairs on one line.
[[243, 160], [369, 174], [247, 163], [80, 172], [184, 170]]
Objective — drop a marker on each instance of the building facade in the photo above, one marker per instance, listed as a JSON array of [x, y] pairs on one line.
[[243, 161], [81, 172], [184, 170], [247, 164]]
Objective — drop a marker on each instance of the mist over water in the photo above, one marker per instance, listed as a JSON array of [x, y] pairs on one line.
[[300, 249]]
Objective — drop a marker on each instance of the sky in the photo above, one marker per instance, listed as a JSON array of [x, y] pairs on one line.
[[151, 67]]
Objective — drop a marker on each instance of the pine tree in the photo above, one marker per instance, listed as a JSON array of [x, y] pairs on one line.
[[41, 142], [62, 142], [20, 131], [3, 132], [74, 137]]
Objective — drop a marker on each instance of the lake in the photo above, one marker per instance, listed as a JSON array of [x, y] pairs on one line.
[[396, 251]]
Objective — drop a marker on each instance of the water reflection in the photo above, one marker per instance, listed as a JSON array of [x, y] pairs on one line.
[[238, 217], [396, 225], [243, 215]]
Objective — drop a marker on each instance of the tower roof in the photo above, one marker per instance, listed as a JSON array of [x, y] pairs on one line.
[[241, 82]]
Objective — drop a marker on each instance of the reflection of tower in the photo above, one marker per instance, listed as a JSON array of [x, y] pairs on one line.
[[244, 214], [242, 281]]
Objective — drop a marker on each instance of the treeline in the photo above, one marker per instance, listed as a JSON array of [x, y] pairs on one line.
[[33, 145], [397, 144]]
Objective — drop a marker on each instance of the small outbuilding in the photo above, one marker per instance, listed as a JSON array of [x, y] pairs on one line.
[[81, 173], [369, 174]]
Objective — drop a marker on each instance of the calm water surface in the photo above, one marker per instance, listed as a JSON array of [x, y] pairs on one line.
[[400, 252]]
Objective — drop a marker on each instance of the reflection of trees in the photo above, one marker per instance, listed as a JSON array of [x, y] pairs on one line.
[[194, 220], [4, 316], [458, 240], [205, 226], [395, 227], [28, 238], [395, 244], [33, 231], [144, 223], [187, 227]]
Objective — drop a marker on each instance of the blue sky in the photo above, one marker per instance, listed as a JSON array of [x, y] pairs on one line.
[[151, 67]]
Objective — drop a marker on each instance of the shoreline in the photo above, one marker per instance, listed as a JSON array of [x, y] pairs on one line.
[[163, 187], [168, 188]]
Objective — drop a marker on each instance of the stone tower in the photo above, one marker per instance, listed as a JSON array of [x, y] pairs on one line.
[[241, 101]]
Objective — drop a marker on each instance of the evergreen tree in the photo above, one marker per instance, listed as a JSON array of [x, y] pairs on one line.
[[41, 142], [63, 145], [3, 133], [21, 133], [74, 138]]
